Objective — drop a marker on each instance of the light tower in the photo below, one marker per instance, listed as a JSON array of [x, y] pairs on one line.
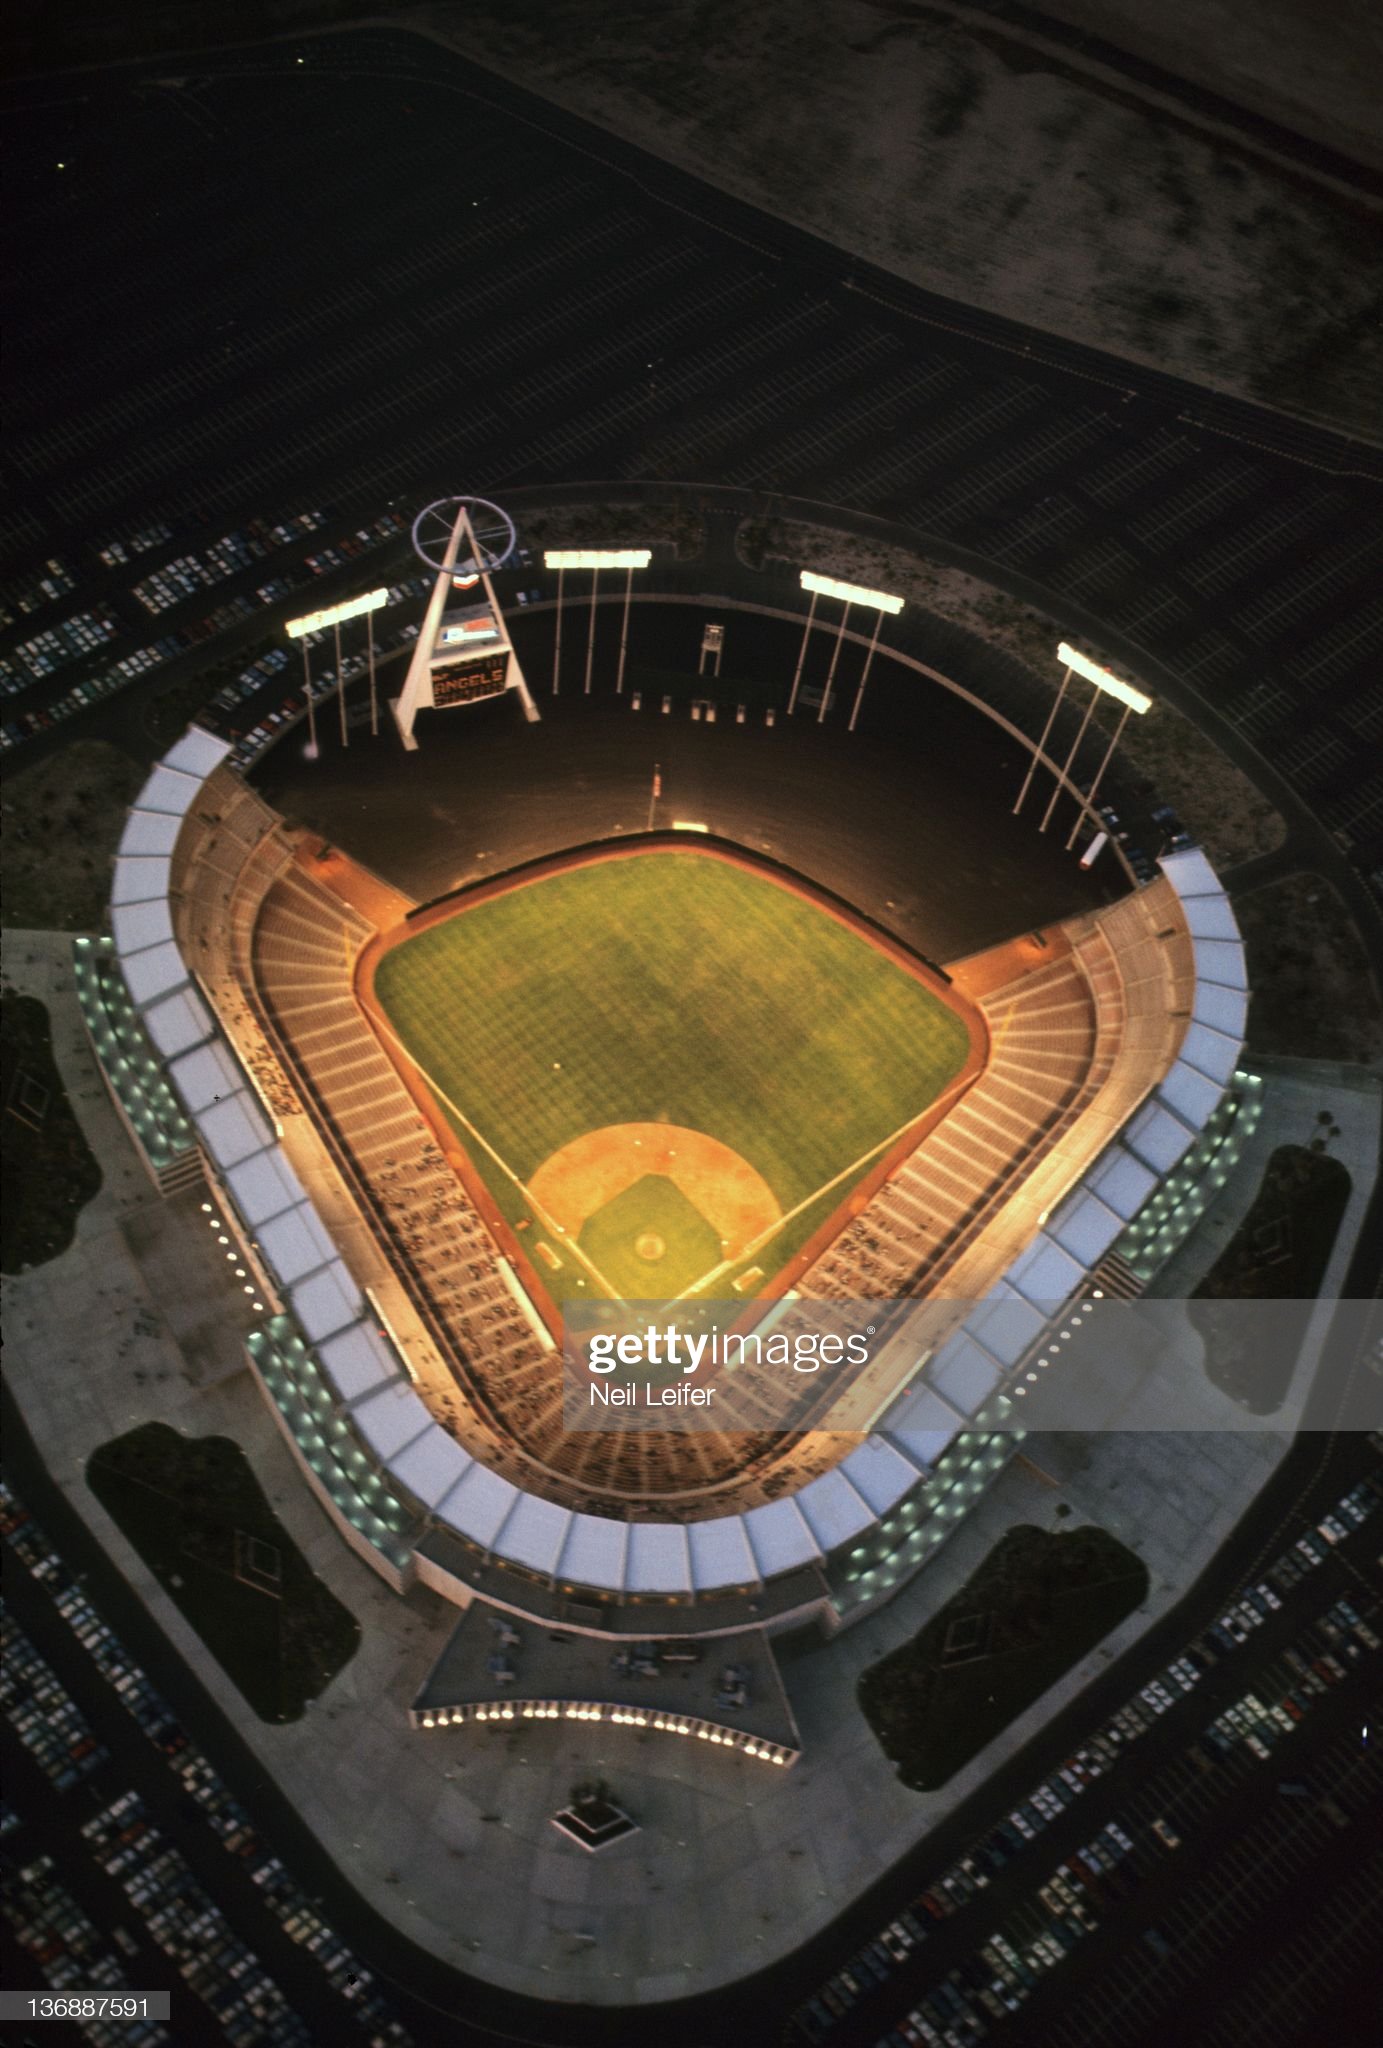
[[463, 654]]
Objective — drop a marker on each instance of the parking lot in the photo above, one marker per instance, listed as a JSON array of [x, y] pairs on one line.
[[1230, 1794], [233, 313]]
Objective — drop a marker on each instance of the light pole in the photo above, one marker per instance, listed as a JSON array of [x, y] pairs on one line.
[[877, 601], [802, 652], [316, 622], [590, 637], [1106, 684], [1069, 761], [340, 683], [1040, 748], [864, 673], [835, 657], [624, 628], [374, 701], [594, 559], [1089, 804], [307, 692]]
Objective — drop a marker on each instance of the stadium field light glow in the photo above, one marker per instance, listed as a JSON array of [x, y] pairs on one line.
[[850, 593], [1112, 685], [333, 614], [597, 558]]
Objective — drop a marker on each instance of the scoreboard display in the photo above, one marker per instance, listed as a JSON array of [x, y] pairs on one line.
[[466, 678]]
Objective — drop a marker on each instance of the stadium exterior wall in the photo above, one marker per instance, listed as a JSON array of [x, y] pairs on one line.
[[868, 1494]]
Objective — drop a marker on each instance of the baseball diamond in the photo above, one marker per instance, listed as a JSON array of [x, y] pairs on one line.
[[670, 1068]]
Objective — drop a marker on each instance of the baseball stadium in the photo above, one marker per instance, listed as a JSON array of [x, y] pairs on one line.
[[665, 984]]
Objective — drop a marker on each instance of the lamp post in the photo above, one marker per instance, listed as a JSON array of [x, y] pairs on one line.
[[802, 653], [835, 657], [316, 622], [1106, 684], [877, 601], [594, 559], [864, 673], [624, 629], [307, 692], [340, 683], [1124, 717], [590, 637], [1041, 746]]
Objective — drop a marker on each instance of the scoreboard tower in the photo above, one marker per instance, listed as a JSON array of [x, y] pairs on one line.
[[463, 651]]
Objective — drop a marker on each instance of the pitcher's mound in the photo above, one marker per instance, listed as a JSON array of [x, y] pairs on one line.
[[577, 1181]]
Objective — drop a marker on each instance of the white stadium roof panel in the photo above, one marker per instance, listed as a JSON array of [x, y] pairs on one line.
[[1223, 1009], [478, 1505], [1210, 917], [920, 1411], [658, 1560], [1085, 1227], [1158, 1137], [720, 1554], [1210, 1052], [880, 1473], [1190, 873], [1192, 1095], [264, 1186], [167, 790], [924, 1446], [232, 1130], [533, 1533], [156, 972], [140, 878], [780, 1538], [208, 1075], [1220, 960], [1122, 1182], [1045, 1275], [1003, 1323], [430, 1466], [326, 1302], [197, 753], [357, 1362], [833, 1510], [149, 832], [295, 1244], [965, 1374], [179, 1022], [391, 1418], [138, 926], [593, 1554]]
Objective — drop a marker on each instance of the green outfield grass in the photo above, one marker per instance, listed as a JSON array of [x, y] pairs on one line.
[[671, 986]]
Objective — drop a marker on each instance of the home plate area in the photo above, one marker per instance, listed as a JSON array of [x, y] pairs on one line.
[[654, 1207]]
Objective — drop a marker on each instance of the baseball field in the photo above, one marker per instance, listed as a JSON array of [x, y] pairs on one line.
[[667, 1068]]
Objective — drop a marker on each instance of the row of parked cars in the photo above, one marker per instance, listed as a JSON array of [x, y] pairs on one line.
[[171, 585], [71, 1952], [137, 540], [42, 1712], [54, 647], [877, 1962], [227, 1818], [22, 598], [181, 1920]]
